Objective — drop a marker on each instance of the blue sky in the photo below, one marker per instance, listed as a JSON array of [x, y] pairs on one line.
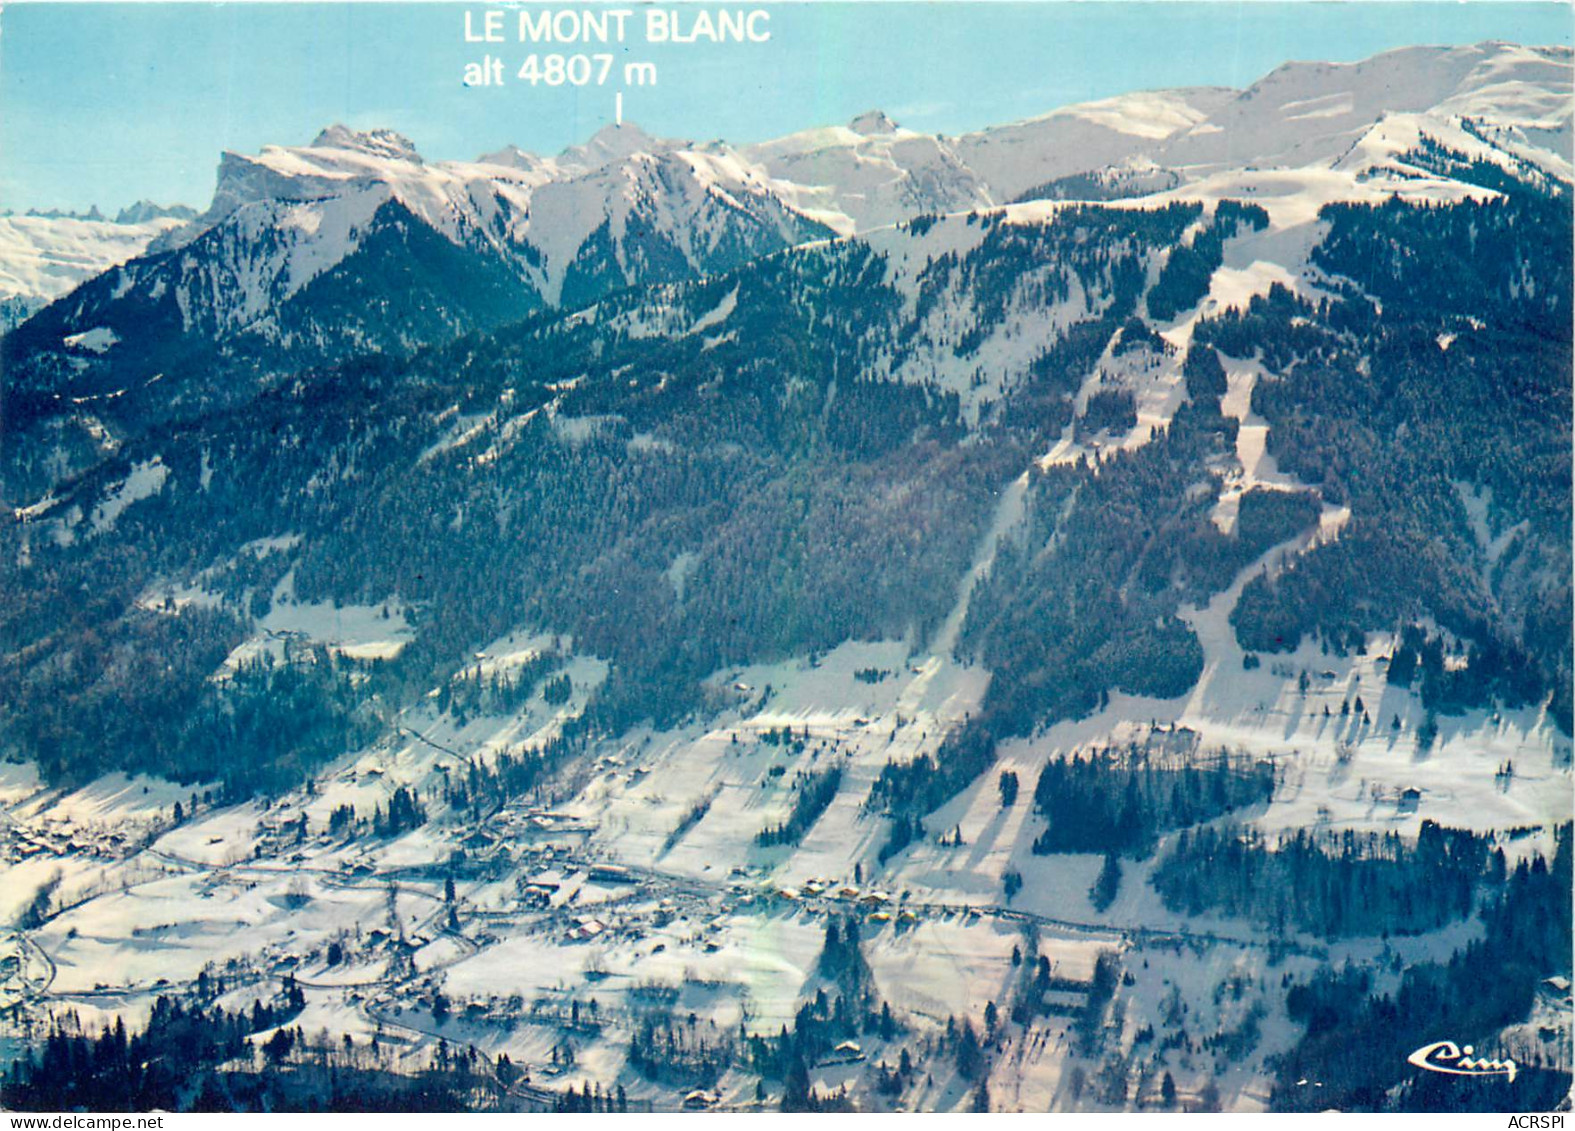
[[108, 103]]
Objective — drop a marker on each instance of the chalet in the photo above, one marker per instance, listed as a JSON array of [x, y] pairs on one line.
[[848, 1052]]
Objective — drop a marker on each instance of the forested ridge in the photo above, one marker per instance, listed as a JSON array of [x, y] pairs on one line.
[[550, 473]]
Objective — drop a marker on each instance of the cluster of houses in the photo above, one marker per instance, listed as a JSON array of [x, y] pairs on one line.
[[59, 836], [881, 906]]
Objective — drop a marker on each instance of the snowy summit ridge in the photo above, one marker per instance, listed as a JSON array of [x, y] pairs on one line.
[[626, 207]]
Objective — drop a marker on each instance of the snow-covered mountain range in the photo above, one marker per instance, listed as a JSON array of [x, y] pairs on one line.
[[627, 208], [355, 244], [624, 204], [1502, 103], [46, 255]]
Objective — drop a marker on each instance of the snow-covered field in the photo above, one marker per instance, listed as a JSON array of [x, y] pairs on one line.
[[634, 879]]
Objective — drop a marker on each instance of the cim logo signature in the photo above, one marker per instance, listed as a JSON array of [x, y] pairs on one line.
[[1450, 1058]]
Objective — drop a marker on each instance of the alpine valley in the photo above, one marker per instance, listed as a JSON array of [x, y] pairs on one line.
[[1074, 616]]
